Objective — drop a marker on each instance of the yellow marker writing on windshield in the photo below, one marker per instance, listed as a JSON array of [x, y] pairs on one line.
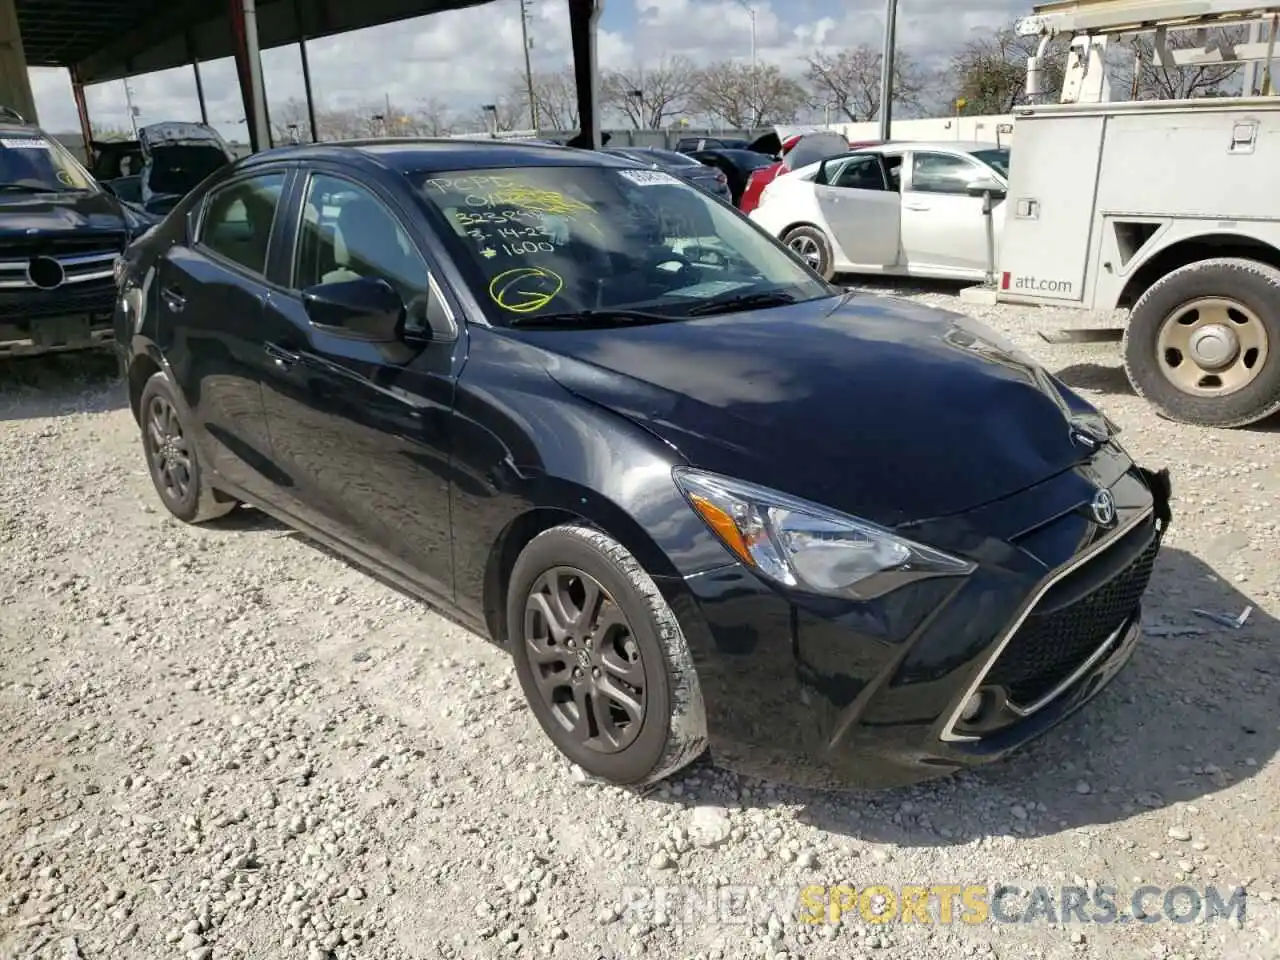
[[525, 289]]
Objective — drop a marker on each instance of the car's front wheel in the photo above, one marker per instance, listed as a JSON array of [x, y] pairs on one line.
[[811, 245], [172, 459], [601, 658]]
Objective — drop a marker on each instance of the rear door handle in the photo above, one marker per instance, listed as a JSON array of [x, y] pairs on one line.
[[173, 298], [916, 205], [282, 357]]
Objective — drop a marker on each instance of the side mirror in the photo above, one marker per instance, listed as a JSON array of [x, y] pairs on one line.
[[368, 308], [820, 177], [985, 185]]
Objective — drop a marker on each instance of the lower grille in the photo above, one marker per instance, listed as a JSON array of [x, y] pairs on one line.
[[92, 297], [1049, 647]]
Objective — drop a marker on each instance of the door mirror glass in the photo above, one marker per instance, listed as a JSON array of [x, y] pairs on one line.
[[368, 308], [984, 185]]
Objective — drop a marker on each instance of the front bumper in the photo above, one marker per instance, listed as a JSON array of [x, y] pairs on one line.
[[56, 321], [830, 693]]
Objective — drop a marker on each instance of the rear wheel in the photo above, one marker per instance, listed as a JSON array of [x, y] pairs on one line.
[[601, 659], [812, 246], [172, 459], [1203, 343]]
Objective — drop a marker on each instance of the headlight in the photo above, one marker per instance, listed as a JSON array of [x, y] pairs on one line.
[[806, 546]]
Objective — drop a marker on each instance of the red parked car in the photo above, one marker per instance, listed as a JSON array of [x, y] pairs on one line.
[[819, 146]]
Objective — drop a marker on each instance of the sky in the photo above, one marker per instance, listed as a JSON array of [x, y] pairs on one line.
[[464, 58]]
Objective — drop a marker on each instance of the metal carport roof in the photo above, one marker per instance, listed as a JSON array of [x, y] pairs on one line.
[[101, 40], [108, 39]]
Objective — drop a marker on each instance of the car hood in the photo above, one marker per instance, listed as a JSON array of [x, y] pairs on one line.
[[28, 216], [880, 408]]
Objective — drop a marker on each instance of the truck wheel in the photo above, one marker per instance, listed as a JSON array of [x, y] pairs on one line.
[[1203, 343], [812, 246]]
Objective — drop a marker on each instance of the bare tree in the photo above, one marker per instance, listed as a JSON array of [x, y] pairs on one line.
[[990, 73], [741, 97], [433, 118], [1148, 80], [289, 121], [507, 114], [555, 98], [849, 81], [111, 134], [649, 98]]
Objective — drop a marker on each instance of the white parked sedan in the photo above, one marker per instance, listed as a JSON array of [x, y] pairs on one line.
[[903, 209]]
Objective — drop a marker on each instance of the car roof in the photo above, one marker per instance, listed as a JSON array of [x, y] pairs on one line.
[[406, 155], [942, 146]]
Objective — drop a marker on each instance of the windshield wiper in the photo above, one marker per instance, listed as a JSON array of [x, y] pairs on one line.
[[746, 301], [589, 319], [26, 188]]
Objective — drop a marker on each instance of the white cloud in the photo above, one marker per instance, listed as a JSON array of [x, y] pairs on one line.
[[465, 57]]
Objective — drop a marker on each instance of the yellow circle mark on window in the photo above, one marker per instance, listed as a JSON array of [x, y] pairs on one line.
[[65, 178], [525, 289], [538, 201]]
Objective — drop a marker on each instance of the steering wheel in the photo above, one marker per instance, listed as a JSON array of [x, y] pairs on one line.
[[684, 262]]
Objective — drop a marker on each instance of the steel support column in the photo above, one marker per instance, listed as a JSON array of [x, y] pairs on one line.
[[195, 69], [305, 27], [306, 89], [82, 111], [584, 20], [244, 27]]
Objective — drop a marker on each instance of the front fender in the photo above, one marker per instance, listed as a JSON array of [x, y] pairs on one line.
[[527, 452]]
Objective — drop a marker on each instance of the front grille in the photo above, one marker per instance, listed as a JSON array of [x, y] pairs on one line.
[[98, 296], [68, 245], [1050, 646]]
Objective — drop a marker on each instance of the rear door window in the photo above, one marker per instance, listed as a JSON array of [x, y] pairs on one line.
[[238, 220]]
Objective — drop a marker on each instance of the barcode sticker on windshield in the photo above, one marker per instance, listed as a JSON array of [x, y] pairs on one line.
[[24, 143], [649, 178]]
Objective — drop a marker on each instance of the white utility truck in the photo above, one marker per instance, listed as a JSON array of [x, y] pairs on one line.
[[1170, 209]]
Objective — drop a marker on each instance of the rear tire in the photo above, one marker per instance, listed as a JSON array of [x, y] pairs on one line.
[[812, 246], [172, 459], [1203, 343], [601, 658]]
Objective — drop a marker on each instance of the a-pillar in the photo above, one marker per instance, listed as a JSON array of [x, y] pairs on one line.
[[244, 28], [15, 82], [584, 21]]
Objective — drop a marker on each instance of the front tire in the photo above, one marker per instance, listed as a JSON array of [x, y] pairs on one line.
[[812, 246], [601, 658], [1203, 343], [172, 458]]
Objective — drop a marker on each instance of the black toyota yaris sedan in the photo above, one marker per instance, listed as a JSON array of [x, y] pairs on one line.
[[702, 497]]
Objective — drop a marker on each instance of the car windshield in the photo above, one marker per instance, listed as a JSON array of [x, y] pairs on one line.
[[562, 240], [32, 163], [996, 159]]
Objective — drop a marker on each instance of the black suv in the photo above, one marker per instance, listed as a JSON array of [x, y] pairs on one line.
[[60, 235]]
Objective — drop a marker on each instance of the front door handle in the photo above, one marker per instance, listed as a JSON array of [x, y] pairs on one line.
[[173, 299], [916, 205], [281, 356]]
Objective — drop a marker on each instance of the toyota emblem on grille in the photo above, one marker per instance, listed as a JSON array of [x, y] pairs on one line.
[[1103, 508], [45, 273]]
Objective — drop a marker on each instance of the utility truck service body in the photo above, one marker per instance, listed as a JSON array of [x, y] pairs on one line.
[[1170, 209]]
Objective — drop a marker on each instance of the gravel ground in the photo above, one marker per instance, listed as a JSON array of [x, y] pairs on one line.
[[224, 742]]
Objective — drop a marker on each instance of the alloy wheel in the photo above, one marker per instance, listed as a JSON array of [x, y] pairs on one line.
[[586, 663], [169, 450], [1212, 346], [808, 249]]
